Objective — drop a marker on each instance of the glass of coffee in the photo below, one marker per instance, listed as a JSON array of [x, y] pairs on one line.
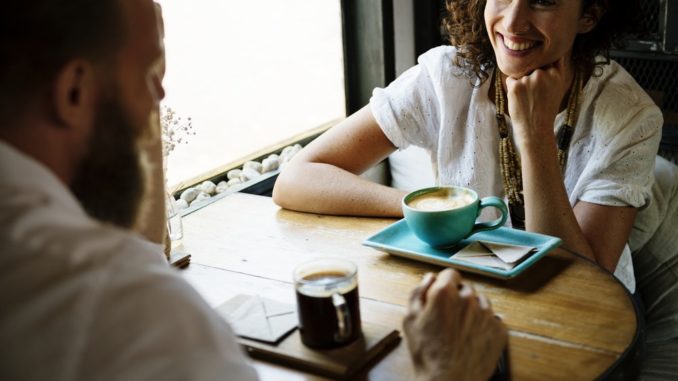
[[327, 302]]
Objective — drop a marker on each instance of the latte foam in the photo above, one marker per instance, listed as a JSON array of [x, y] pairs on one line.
[[441, 200]]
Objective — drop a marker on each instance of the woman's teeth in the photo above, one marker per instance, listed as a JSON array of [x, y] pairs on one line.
[[518, 45]]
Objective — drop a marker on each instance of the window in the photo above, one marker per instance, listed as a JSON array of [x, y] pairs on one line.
[[249, 75]]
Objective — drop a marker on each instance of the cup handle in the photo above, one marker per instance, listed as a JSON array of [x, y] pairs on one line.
[[343, 318], [491, 225]]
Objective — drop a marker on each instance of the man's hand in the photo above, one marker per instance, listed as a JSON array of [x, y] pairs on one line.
[[452, 332]]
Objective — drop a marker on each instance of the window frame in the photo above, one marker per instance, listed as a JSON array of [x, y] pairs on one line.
[[369, 45]]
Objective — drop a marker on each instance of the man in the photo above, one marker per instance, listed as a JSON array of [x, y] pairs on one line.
[[82, 296]]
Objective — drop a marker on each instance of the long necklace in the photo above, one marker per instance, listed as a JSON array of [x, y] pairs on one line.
[[509, 161]]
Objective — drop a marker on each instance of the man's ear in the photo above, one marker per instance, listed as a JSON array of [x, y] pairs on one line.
[[590, 18], [73, 94]]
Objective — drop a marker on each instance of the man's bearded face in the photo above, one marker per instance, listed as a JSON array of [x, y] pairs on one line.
[[110, 181]]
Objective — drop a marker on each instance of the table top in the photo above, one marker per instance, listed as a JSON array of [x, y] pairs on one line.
[[567, 317]]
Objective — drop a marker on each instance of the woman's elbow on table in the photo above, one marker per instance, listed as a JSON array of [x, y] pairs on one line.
[[281, 191], [287, 192]]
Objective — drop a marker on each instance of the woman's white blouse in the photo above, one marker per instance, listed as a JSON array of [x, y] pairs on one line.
[[611, 156]]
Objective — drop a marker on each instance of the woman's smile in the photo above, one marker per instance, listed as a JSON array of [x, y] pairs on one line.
[[527, 35], [517, 46]]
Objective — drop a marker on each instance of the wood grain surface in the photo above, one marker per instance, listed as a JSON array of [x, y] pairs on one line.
[[567, 317]]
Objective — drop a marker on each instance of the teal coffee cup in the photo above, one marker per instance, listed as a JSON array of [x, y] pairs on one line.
[[443, 216]]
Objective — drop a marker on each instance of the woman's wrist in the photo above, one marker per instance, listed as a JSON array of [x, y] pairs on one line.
[[535, 139]]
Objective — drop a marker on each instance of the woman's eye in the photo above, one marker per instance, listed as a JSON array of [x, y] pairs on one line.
[[543, 3]]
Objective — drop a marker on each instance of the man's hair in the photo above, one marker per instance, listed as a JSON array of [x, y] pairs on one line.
[[465, 25], [38, 37]]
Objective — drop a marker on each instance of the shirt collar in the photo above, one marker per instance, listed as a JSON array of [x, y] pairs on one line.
[[21, 173]]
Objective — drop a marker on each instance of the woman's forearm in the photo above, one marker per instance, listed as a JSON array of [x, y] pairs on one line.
[[324, 176], [327, 189], [547, 207]]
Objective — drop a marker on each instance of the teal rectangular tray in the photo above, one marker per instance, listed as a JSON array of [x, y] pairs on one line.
[[398, 239]]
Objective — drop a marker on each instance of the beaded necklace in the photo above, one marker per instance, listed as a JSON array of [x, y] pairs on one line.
[[509, 161]]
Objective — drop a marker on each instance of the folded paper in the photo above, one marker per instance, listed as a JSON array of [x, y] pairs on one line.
[[258, 318], [494, 254]]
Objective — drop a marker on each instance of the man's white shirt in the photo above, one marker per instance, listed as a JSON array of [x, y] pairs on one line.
[[81, 300]]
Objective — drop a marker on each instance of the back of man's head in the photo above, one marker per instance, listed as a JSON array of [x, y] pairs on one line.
[[38, 37], [60, 99]]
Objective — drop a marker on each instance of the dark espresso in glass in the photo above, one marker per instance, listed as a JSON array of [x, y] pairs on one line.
[[328, 306]]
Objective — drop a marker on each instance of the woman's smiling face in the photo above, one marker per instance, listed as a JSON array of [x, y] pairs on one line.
[[530, 34]]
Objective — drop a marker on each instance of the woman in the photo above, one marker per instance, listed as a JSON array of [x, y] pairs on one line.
[[520, 105]]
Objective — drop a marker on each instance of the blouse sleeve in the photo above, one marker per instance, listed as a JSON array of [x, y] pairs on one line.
[[408, 110], [621, 173]]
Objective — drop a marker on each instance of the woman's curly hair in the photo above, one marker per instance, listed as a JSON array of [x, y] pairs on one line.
[[464, 23]]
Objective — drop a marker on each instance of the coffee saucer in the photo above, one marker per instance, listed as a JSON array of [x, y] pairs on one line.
[[398, 239]]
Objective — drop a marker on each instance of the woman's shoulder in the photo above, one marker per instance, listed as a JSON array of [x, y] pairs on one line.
[[446, 76], [441, 60], [444, 52], [617, 93], [621, 109]]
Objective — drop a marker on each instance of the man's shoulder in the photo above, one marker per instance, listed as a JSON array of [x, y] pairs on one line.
[[116, 308], [148, 314]]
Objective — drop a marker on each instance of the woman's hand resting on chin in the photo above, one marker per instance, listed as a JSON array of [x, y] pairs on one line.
[[535, 99]]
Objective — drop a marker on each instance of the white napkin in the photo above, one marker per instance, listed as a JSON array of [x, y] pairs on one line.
[[258, 318], [494, 254]]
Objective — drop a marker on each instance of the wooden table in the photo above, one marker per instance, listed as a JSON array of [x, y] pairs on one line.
[[568, 318]]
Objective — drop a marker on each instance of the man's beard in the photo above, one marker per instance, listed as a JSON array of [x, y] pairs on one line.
[[110, 181]]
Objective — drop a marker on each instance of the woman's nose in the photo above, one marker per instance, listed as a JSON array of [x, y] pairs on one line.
[[516, 20]]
